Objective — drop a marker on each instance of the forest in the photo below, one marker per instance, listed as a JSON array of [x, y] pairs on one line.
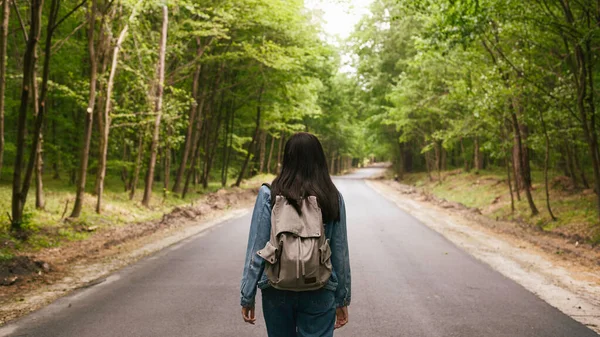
[[148, 102], [158, 99], [488, 85]]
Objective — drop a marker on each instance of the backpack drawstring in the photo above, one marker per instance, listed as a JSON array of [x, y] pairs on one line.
[[298, 261]]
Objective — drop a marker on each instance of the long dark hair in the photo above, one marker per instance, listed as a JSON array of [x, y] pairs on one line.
[[304, 173]]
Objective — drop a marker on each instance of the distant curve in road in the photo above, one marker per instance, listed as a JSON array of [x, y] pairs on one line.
[[407, 280]]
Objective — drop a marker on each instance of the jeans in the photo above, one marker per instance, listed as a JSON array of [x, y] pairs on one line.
[[299, 314]]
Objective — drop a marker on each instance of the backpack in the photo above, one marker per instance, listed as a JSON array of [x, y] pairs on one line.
[[298, 256]]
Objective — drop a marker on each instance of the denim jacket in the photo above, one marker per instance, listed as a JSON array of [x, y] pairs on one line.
[[260, 231]]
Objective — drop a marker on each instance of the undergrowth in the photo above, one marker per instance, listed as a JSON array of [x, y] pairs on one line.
[[488, 191], [49, 227]]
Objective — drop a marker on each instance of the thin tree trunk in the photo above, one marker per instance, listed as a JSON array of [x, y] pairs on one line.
[[213, 148], [478, 160], [280, 152], [190, 130], [582, 77], [510, 189], [138, 164], [124, 172], [39, 183], [270, 154], [158, 109], [516, 168], [167, 158], [89, 116], [546, 163], [594, 148], [105, 129], [464, 155], [55, 163], [254, 138], [229, 146], [18, 195], [580, 169], [332, 166], [438, 160], [400, 164], [569, 163], [188, 151], [3, 48], [225, 150], [263, 151], [193, 166], [522, 159]]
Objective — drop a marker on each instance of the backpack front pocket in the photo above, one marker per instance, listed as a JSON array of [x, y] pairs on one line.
[[325, 251], [269, 253]]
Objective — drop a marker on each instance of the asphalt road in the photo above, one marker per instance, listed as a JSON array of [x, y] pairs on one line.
[[407, 281]]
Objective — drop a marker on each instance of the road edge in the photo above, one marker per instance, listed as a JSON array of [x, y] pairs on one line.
[[85, 277], [555, 285]]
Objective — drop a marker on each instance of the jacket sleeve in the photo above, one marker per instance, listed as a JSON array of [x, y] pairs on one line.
[[340, 258], [260, 228]]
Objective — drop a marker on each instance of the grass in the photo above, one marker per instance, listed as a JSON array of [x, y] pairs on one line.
[[46, 228], [488, 191]]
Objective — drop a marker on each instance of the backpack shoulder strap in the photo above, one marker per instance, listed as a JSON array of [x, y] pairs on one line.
[[268, 185]]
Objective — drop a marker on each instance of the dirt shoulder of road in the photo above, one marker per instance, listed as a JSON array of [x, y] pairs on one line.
[[561, 271], [38, 279]]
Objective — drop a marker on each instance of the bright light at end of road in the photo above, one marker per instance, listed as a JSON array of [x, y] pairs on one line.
[[340, 15]]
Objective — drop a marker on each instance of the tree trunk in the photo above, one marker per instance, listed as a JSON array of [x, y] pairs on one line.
[[280, 152], [332, 166], [89, 116], [195, 151], [55, 163], [193, 166], [254, 138], [546, 163], [229, 142], [158, 110], [270, 154], [263, 151], [138, 164], [18, 195], [213, 148], [3, 48], [510, 189], [523, 165], [464, 156], [190, 130], [167, 160], [106, 120], [594, 149], [516, 169], [579, 168], [569, 163], [583, 66], [478, 160], [225, 150], [438, 160], [39, 182], [124, 172], [193, 113]]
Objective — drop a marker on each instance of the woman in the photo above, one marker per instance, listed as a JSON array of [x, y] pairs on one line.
[[308, 313]]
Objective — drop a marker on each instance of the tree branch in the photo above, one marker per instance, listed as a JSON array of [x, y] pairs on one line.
[[67, 15], [20, 20], [60, 43]]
